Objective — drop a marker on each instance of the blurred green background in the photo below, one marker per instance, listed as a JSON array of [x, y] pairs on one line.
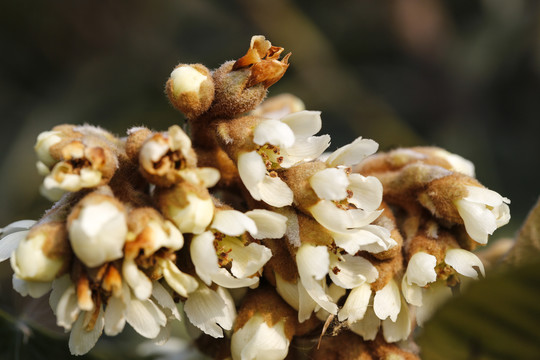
[[462, 74]]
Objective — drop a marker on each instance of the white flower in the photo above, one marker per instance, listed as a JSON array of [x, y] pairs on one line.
[[386, 309], [211, 310], [282, 144], [11, 236], [483, 211], [347, 201], [44, 142], [257, 340], [420, 286], [211, 251], [345, 271], [98, 232]]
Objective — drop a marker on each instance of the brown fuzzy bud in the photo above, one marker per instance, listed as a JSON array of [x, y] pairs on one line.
[[136, 138], [344, 346], [190, 89]]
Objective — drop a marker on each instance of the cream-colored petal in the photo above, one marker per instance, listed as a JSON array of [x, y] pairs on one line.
[[356, 239], [421, 269], [307, 305], [210, 311], [304, 150], [115, 318], [304, 123], [145, 317], [225, 279], [257, 340], [457, 162], [367, 192], [194, 217], [483, 196], [275, 192], [330, 184], [411, 292], [246, 260], [339, 220], [350, 271], [273, 132], [400, 329], [82, 341], [352, 153], [233, 223], [464, 262], [10, 242], [479, 221], [201, 176], [67, 308], [165, 300], [356, 304], [59, 286], [288, 291], [203, 255], [35, 289], [179, 281], [252, 172], [270, 225], [368, 326], [387, 301], [136, 279], [313, 262]]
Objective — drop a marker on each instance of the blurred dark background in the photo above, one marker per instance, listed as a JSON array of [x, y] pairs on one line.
[[462, 74]]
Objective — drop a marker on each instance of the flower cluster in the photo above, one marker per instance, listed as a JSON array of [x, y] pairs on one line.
[[263, 237]]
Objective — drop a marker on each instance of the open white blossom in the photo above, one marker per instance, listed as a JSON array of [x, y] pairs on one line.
[[483, 211], [420, 286], [282, 144], [212, 251], [257, 340]]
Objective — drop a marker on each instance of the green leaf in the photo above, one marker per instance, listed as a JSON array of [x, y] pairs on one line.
[[495, 318], [527, 247]]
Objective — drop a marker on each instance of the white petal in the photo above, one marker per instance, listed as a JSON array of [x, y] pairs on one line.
[[16, 226], [339, 220], [350, 271], [270, 225], [115, 318], [82, 341], [35, 289], [400, 329], [433, 297], [387, 301], [275, 192], [256, 340], [307, 304], [137, 280], [59, 286], [203, 255], [233, 223], [67, 308], [145, 317], [252, 171], [9, 243], [205, 176], [464, 262], [273, 132], [421, 269], [352, 153], [483, 196], [313, 262], [224, 278], [457, 162], [479, 221], [210, 311], [368, 327], [246, 260], [288, 291], [367, 192], [304, 150], [411, 292], [304, 123], [330, 184], [164, 299], [179, 281], [353, 240], [356, 304]]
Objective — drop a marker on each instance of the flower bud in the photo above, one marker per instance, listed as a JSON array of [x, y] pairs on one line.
[[97, 229], [44, 142], [188, 206], [42, 254], [190, 89], [240, 86]]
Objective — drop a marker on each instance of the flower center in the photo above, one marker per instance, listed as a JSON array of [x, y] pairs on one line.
[[271, 156]]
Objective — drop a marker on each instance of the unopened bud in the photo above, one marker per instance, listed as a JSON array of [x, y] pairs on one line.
[[97, 229], [191, 89]]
